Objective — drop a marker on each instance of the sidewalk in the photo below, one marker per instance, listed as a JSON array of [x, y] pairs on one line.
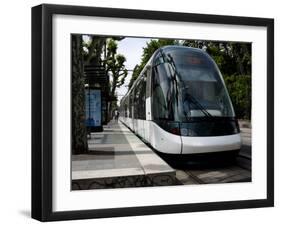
[[118, 158]]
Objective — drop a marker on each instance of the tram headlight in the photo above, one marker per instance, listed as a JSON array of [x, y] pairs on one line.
[[172, 127], [184, 131], [188, 132], [191, 132], [175, 130]]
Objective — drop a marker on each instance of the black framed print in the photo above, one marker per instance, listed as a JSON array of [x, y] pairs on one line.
[[146, 112]]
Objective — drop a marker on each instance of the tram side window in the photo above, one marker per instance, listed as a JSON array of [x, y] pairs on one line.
[[136, 100], [125, 108], [160, 93], [147, 77], [141, 100], [131, 101]]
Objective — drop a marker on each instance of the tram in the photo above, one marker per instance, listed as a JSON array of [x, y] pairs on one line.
[[179, 104]]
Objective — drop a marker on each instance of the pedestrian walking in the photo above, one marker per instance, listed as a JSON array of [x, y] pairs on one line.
[[116, 115]]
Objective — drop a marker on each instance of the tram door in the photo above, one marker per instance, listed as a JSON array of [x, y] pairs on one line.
[[141, 106], [148, 114], [136, 103]]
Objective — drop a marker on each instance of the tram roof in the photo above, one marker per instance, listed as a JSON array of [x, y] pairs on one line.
[[178, 47], [169, 47]]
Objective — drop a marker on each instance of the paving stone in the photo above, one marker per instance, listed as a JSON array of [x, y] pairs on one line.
[[184, 178], [117, 155]]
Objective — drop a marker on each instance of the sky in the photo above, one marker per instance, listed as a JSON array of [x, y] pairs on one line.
[[132, 49]]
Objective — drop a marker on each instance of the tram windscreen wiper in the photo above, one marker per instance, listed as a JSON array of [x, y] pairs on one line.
[[193, 100], [189, 96]]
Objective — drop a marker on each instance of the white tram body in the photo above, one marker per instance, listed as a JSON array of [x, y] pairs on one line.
[[179, 104]]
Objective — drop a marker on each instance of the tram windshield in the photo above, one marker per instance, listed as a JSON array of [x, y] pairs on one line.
[[188, 84]]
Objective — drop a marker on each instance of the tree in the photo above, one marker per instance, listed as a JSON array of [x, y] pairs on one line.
[[116, 68], [79, 131], [242, 54], [93, 48], [136, 71]]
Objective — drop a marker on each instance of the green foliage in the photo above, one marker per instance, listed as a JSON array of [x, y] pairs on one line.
[[239, 88], [222, 57], [111, 47], [136, 72]]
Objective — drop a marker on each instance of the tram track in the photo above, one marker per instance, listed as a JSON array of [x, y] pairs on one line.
[[238, 170], [195, 178], [244, 161]]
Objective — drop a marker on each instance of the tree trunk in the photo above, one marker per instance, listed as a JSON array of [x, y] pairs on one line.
[[112, 94], [79, 130]]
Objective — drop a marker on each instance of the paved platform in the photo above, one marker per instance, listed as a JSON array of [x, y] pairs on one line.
[[118, 158]]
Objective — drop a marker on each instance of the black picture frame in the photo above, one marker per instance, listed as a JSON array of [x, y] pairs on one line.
[[42, 111]]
